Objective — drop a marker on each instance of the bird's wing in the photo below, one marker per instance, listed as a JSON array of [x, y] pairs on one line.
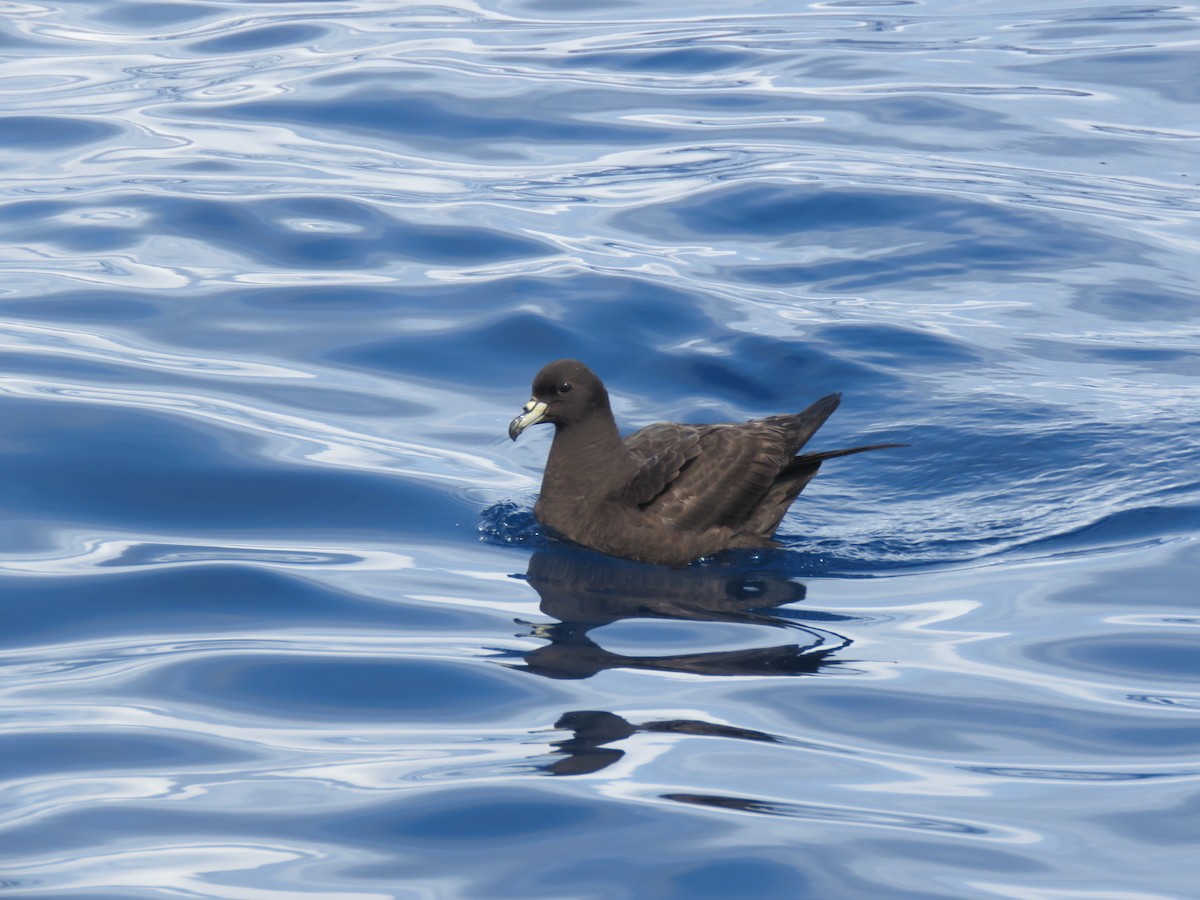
[[736, 466], [663, 449], [724, 471]]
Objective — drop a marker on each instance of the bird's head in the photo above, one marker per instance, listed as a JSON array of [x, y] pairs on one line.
[[564, 391]]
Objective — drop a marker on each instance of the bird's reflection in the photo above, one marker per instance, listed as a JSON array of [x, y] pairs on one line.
[[585, 752], [584, 591]]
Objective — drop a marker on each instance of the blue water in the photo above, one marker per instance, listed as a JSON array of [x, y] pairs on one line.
[[276, 620]]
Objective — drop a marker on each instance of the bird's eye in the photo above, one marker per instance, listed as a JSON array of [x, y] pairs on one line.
[[564, 387]]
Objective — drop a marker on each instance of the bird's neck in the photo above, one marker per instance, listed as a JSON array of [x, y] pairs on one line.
[[590, 457]]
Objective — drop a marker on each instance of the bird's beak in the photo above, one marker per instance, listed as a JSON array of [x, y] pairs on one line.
[[533, 412]]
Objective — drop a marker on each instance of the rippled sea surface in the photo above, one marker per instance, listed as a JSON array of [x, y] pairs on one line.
[[275, 617]]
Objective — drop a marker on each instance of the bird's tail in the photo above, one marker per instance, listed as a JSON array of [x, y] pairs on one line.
[[809, 458]]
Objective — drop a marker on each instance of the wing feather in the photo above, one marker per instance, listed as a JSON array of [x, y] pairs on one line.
[[664, 449], [736, 466], [703, 476]]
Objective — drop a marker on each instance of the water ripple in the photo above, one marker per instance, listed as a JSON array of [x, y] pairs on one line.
[[852, 817], [277, 617]]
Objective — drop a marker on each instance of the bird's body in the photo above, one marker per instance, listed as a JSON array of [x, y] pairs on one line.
[[669, 493]]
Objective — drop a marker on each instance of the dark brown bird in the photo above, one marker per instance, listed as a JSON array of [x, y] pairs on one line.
[[670, 493]]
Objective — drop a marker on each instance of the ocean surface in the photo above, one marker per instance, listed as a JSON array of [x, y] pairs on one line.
[[276, 620]]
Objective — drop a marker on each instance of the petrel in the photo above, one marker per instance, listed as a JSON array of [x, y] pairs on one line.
[[669, 493]]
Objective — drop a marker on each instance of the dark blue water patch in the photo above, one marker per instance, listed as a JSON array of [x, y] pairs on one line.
[[138, 16], [486, 818], [1161, 588], [199, 599], [1174, 75], [265, 38], [41, 754], [955, 232], [325, 302], [938, 260], [40, 224], [337, 303], [135, 469], [950, 254], [205, 167], [775, 210], [1134, 300], [19, 211], [56, 368], [264, 230], [899, 347], [493, 830], [912, 112], [1148, 357], [107, 306], [969, 859], [1175, 825], [453, 354], [1154, 740], [1164, 359], [1024, 450], [677, 60], [344, 402], [1136, 655], [257, 229], [53, 132], [819, 65], [496, 128], [763, 374], [1139, 525], [492, 336], [340, 689], [741, 876]]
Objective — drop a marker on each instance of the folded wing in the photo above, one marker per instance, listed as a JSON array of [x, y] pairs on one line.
[[700, 476]]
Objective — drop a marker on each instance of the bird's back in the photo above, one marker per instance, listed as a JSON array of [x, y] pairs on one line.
[[697, 478]]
